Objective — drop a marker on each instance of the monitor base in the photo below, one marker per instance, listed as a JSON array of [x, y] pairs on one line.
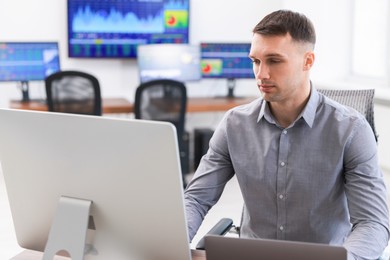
[[69, 229]]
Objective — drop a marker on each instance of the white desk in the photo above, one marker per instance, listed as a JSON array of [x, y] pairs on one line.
[[34, 255]]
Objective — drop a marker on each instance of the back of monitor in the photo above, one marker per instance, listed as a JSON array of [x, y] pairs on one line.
[[129, 169]]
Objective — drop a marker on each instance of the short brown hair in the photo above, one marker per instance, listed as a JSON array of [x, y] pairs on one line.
[[284, 21]]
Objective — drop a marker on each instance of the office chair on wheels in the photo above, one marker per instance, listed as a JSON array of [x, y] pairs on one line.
[[165, 100], [73, 92], [361, 100]]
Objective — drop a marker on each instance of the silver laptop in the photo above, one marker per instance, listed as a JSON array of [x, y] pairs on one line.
[[129, 169], [233, 248]]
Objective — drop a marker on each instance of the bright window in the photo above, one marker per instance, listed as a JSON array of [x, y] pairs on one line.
[[370, 42]]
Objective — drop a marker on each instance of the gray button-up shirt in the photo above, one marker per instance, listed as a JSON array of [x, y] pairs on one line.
[[317, 180]]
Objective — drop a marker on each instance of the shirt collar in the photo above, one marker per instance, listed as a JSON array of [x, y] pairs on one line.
[[265, 112], [308, 113]]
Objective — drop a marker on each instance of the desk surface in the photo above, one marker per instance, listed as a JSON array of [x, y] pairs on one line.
[[34, 255], [122, 105]]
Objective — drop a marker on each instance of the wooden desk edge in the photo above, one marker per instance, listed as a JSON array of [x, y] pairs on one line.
[[122, 105], [109, 105]]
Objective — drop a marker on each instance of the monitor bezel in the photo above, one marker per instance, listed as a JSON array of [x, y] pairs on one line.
[[224, 76], [68, 22], [33, 42]]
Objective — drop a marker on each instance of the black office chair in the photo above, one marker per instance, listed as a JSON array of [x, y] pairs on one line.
[[73, 92], [361, 100], [165, 100]]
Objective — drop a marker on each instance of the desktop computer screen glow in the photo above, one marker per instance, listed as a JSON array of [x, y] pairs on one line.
[[113, 29], [169, 61], [226, 60], [28, 61]]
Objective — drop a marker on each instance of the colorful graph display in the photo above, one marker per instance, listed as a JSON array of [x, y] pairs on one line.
[[226, 60], [27, 61], [114, 28]]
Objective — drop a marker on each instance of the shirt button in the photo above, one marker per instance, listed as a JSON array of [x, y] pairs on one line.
[[284, 131], [281, 196], [281, 228], [283, 163]]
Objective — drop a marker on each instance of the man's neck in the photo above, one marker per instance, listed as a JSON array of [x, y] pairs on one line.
[[285, 113]]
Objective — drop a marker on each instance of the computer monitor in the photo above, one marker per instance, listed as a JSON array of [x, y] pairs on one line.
[[169, 61], [129, 169], [113, 29], [28, 61], [226, 61]]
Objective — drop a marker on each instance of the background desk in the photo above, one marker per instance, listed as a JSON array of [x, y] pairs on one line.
[[122, 105]]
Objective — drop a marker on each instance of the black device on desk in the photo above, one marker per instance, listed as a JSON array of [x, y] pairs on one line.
[[202, 138]]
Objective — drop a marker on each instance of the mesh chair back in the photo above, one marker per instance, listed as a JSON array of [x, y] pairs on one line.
[[361, 100], [162, 100], [73, 92]]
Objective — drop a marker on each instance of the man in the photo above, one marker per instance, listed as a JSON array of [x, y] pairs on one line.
[[307, 166]]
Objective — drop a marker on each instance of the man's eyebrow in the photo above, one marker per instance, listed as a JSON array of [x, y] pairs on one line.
[[269, 55], [277, 55]]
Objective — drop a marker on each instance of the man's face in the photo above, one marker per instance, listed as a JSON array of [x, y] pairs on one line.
[[281, 66]]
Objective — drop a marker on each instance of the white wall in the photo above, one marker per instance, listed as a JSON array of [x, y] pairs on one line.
[[331, 19]]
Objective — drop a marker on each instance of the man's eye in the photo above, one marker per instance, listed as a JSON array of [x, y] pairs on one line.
[[274, 61]]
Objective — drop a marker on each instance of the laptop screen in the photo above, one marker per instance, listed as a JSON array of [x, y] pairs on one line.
[[233, 248]]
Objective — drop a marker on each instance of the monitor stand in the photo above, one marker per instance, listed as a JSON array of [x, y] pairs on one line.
[[69, 229], [25, 92], [231, 84], [24, 87]]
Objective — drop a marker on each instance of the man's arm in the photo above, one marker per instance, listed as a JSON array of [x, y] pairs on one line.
[[209, 181], [367, 196]]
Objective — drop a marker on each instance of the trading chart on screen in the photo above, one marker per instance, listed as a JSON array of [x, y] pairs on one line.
[[114, 28]]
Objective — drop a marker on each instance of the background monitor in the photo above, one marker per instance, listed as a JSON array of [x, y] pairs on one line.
[[129, 169], [113, 29], [28, 61], [169, 61], [226, 61]]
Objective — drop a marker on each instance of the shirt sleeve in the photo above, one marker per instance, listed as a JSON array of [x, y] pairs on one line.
[[366, 195], [206, 187]]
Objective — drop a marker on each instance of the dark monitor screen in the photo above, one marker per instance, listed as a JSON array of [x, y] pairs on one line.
[[226, 60], [27, 61], [114, 28], [169, 61]]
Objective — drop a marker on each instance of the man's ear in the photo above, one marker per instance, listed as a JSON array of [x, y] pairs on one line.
[[309, 60]]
